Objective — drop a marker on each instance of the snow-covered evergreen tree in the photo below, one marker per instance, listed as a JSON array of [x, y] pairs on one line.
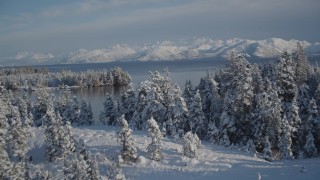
[[285, 141], [24, 113], [128, 102], [129, 151], [288, 92], [177, 113], [224, 140], [141, 102], [80, 164], [267, 115], [295, 127], [213, 132], [68, 144], [237, 88], [227, 126], [188, 93], [197, 121], [81, 168], [42, 175], [93, 171], [40, 106], [115, 172], [155, 106], [17, 170], [75, 112], [17, 139], [4, 164], [317, 93], [286, 80], [154, 148], [302, 65], [267, 151], [211, 101], [250, 147], [164, 85], [110, 110], [312, 123], [191, 143], [211, 104], [53, 135], [303, 101], [92, 165], [63, 106], [86, 115], [59, 142], [310, 148], [75, 167]]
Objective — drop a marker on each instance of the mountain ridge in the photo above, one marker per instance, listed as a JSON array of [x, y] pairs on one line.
[[184, 49]]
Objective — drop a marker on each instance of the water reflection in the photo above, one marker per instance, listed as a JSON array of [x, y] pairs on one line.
[[180, 71], [94, 95]]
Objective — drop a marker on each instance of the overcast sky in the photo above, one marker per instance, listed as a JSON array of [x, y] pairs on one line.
[[64, 25]]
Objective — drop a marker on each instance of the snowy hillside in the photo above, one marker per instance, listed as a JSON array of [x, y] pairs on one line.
[[212, 162], [174, 50]]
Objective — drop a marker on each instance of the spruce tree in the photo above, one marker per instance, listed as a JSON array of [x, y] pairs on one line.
[[128, 102], [191, 143], [68, 144], [213, 132], [93, 168], [63, 106], [267, 151], [75, 112], [197, 121], [177, 113], [52, 132], [295, 127], [224, 140], [75, 167], [109, 113], [129, 151], [188, 93], [310, 148], [17, 139], [267, 115], [42, 175], [5, 163], [115, 172], [81, 168], [85, 116], [250, 147], [210, 97], [40, 106], [302, 65], [237, 88], [285, 141], [312, 123], [154, 148], [155, 106], [141, 102]]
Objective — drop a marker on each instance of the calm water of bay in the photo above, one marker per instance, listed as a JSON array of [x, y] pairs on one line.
[[180, 71]]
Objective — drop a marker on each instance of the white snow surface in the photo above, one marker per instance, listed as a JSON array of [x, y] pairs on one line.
[[176, 50], [212, 162]]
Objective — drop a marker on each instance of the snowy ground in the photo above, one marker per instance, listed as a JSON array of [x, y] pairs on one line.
[[213, 161]]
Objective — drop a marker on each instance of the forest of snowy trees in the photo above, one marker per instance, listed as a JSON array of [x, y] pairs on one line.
[[267, 108], [34, 78], [270, 109]]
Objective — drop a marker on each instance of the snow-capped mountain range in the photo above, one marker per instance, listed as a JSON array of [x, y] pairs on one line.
[[174, 50]]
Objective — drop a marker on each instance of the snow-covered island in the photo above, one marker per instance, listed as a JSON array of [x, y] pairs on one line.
[[247, 121]]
